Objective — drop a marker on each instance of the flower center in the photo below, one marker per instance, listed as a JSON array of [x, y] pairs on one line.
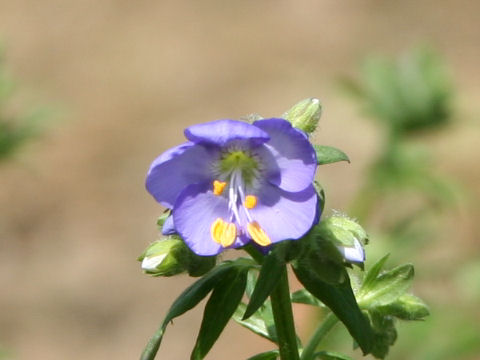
[[240, 169], [239, 160]]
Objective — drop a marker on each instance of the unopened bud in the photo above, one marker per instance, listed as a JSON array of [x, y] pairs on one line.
[[166, 257], [170, 256], [346, 234], [305, 115]]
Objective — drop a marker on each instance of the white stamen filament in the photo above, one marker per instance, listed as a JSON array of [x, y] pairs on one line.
[[233, 197], [236, 189]]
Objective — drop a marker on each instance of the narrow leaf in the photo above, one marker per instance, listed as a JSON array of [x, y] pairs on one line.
[[266, 313], [329, 154], [387, 287], [267, 281], [304, 297], [373, 273], [269, 355], [251, 281], [189, 298], [225, 298], [341, 300]]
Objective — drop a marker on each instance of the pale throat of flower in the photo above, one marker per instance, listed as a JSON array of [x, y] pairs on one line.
[[225, 232]]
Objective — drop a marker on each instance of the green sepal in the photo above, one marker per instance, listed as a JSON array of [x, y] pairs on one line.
[[336, 242], [189, 298], [324, 262], [341, 300], [268, 355], [354, 229], [220, 307], [330, 355], [321, 257], [329, 154], [162, 218], [321, 196]]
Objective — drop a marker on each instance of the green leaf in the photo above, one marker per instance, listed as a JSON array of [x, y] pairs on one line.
[[373, 273], [330, 355], [266, 313], [225, 298], [269, 355], [329, 154], [189, 298], [387, 287], [251, 281], [304, 297], [341, 300], [259, 323], [268, 278], [406, 307]]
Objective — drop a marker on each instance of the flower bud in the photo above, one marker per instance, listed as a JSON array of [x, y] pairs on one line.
[[166, 257], [305, 115], [170, 256], [347, 235]]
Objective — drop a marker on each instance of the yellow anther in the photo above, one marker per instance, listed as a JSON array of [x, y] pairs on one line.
[[229, 235], [223, 233], [218, 187], [216, 230], [258, 234], [250, 201]]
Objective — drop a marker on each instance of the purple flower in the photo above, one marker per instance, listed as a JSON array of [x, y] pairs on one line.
[[235, 182]]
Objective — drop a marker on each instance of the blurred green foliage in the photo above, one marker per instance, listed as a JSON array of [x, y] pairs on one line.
[[4, 353], [15, 129], [407, 94], [404, 202]]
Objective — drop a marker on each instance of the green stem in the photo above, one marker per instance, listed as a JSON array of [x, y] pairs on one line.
[[318, 336], [283, 317]]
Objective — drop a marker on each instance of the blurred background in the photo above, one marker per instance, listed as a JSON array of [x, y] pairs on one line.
[[92, 91]]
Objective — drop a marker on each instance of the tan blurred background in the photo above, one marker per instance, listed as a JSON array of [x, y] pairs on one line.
[[127, 77]]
